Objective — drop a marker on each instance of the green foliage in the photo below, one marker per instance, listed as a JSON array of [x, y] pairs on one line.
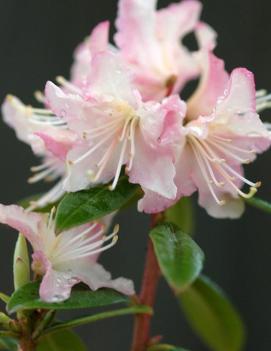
[[259, 204], [181, 214], [63, 340], [27, 298], [212, 316], [179, 257], [88, 205], [7, 343]]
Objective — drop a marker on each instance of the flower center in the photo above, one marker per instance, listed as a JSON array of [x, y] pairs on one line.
[[215, 169], [115, 135]]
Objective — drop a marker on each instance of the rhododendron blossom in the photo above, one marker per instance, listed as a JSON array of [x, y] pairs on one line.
[[115, 128], [27, 122], [222, 132], [150, 41], [68, 258]]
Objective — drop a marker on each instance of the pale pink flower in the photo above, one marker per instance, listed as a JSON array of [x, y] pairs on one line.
[[27, 123], [151, 42], [115, 128], [68, 258], [223, 131]]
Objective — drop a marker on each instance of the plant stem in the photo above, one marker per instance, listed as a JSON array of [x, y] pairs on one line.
[[27, 344], [151, 275]]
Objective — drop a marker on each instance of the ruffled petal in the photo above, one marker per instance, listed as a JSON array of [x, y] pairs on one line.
[[136, 30], [108, 77], [95, 43], [96, 277], [28, 223], [212, 86], [56, 285], [58, 142], [233, 208], [240, 95], [175, 21], [152, 169], [16, 115], [206, 36]]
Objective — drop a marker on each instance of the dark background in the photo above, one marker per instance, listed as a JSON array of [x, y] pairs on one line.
[[37, 40]]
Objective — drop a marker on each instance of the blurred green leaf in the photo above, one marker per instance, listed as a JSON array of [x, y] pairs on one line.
[[179, 257], [63, 340], [88, 205], [259, 204], [136, 309], [212, 316], [4, 297], [181, 214], [21, 264], [8, 343], [27, 298]]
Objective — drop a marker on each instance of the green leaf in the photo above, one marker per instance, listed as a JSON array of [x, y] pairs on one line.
[[27, 298], [136, 309], [88, 205], [165, 347], [212, 316], [61, 341], [179, 257], [4, 297], [259, 204], [8, 343], [181, 214]]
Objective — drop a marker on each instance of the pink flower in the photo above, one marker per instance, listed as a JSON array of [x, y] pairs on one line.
[[223, 131], [115, 128], [150, 41], [28, 123], [68, 258]]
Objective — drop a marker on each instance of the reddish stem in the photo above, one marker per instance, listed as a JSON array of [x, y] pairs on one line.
[[141, 335]]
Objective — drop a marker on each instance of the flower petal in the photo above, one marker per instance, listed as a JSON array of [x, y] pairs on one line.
[[108, 77], [175, 21], [153, 169], [96, 42], [96, 277], [58, 142], [212, 86], [16, 115], [30, 224], [206, 36], [56, 285]]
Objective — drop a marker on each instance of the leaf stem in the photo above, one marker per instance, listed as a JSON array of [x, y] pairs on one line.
[[100, 316], [151, 275]]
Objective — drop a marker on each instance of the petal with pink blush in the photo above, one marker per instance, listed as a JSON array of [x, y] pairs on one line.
[[206, 36], [96, 277], [240, 95], [177, 20], [97, 41], [58, 142], [108, 77], [212, 86], [152, 169], [27, 223], [56, 285]]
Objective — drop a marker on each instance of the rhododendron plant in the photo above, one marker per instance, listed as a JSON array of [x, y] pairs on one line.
[[116, 133]]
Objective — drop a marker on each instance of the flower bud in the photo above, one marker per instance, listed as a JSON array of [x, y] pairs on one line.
[[21, 266]]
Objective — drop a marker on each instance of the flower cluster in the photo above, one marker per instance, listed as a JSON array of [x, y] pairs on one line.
[[122, 111]]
